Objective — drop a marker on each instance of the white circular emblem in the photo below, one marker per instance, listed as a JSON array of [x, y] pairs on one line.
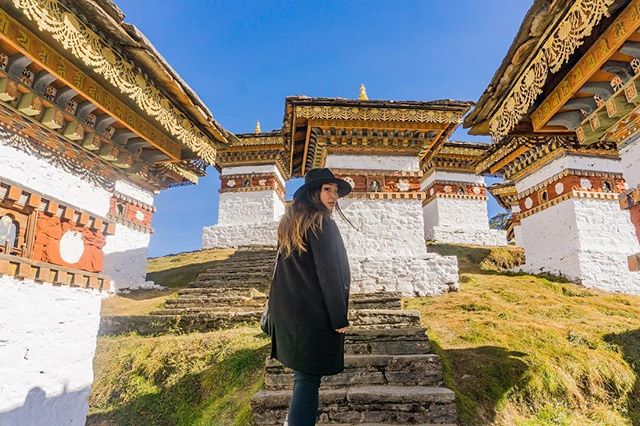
[[350, 181], [71, 247], [262, 182], [403, 185], [476, 190], [448, 189], [559, 188], [139, 215], [231, 183], [585, 183], [528, 203], [431, 191]]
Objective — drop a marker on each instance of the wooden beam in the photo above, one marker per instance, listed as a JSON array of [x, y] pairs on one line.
[[508, 159], [306, 147]]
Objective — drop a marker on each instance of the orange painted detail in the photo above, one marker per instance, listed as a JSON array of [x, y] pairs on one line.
[[369, 182], [635, 219], [567, 184], [127, 212], [46, 248], [456, 188], [251, 182]]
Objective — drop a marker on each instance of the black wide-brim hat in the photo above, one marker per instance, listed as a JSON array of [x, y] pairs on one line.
[[318, 177]]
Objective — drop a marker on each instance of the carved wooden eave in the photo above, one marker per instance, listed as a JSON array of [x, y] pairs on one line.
[[552, 35], [250, 149], [102, 85], [505, 193], [456, 156], [313, 127], [517, 156]]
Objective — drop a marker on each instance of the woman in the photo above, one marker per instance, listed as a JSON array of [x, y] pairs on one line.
[[310, 292]]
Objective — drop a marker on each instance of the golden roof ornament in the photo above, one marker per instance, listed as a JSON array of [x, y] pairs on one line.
[[363, 93], [257, 129]]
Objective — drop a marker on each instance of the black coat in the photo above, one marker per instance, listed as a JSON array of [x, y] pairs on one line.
[[308, 302]]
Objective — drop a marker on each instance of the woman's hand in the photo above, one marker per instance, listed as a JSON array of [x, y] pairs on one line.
[[341, 330]]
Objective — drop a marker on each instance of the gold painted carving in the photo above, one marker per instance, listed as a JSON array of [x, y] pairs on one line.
[[51, 16], [606, 45], [377, 114], [180, 171], [554, 53]]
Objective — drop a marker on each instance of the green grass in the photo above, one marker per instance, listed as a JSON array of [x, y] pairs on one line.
[[194, 379], [516, 349], [524, 350]]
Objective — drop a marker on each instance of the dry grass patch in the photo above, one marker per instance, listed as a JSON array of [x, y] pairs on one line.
[[194, 379], [524, 350], [481, 259]]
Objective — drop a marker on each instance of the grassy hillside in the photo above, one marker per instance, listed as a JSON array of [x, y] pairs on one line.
[[517, 350], [173, 272], [195, 379]]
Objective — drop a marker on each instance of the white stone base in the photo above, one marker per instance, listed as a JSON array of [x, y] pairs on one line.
[[47, 343], [426, 275], [584, 240], [480, 237], [460, 221], [125, 258], [220, 236]]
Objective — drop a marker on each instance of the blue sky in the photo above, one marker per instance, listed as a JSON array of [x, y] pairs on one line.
[[244, 57]]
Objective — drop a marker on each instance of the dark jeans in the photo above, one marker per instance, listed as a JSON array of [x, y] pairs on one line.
[[303, 410]]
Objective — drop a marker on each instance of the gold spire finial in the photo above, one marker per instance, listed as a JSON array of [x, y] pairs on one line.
[[363, 93], [257, 129]]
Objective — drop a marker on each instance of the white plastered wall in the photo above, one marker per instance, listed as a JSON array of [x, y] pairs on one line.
[[387, 251], [47, 343], [125, 258], [586, 240], [459, 220], [246, 218], [125, 252], [41, 176], [407, 163], [630, 158], [246, 208]]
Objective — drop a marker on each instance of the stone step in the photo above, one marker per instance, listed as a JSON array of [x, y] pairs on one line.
[[227, 274], [206, 310], [395, 405], [230, 300], [375, 301], [212, 303], [231, 283], [383, 318], [219, 291], [364, 370], [388, 341]]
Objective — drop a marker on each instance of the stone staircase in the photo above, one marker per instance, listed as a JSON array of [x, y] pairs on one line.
[[390, 376], [230, 292]]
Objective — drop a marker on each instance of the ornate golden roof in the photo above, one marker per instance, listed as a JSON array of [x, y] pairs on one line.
[[104, 79], [551, 34], [314, 126]]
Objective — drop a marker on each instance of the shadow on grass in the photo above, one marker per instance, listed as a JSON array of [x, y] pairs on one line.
[[481, 259], [481, 378], [219, 394], [629, 343]]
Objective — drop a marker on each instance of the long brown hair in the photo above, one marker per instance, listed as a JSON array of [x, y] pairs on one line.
[[301, 216]]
